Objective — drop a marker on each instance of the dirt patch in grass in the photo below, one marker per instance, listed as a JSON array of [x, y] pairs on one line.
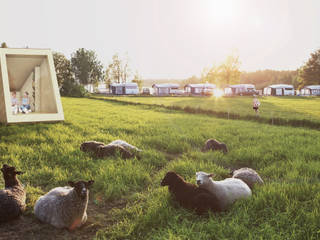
[[28, 227]]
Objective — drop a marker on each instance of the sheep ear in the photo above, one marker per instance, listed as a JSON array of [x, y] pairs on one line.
[[19, 172], [89, 183], [71, 183], [211, 175]]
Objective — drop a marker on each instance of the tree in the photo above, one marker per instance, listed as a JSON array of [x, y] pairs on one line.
[[309, 74], [4, 45], [63, 68], [118, 71], [86, 67], [211, 75], [229, 70], [137, 79]]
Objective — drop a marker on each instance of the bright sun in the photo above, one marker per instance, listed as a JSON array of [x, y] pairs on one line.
[[222, 10], [218, 92]]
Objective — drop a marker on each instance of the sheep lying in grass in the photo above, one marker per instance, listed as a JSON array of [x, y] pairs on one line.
[[126, 145], [214, 145], [111, 149], [227, 191], [13, 197], [248, 175], [189, 195], [64, 207], [90, 146]]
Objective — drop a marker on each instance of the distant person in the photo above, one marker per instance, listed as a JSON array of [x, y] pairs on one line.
[[256, 104], [14, 103], [25, 103]]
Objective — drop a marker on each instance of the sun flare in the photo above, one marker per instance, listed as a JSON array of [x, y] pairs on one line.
[[218, 92]]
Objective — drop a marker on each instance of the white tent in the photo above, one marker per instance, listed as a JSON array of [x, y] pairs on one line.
[[31, 72]]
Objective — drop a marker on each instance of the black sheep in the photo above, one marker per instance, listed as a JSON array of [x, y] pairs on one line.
[[189, 195]]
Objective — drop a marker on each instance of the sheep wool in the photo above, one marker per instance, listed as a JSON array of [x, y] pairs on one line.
[[64, 207]]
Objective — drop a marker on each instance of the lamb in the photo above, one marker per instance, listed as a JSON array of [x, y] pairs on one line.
[[90, 146], [248, 175], [214, 145], [64, 207], [189, 195], [227, 191], [13, 197], [111, 149]]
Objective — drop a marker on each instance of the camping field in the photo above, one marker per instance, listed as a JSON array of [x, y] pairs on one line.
[[127, 201], [295, 111]]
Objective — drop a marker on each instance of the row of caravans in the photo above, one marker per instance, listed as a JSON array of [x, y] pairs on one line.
[[203, 89]]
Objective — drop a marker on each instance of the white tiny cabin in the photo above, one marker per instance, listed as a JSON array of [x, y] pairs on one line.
[[28, 78], [279, 90]]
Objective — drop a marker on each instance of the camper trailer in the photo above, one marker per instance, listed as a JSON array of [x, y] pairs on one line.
[[240, 89], [199, 89], [311, 90], [165, 89], [124, 88], [279, 90]]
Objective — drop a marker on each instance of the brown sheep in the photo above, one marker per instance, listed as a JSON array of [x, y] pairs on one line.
[[214, 145], [111, 149], [90, 146]]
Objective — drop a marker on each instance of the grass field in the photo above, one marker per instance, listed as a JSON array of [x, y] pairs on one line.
[[296, 111], [126, 200]]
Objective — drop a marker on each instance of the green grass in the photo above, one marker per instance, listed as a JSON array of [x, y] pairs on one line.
[[288, 159], [295, 111]]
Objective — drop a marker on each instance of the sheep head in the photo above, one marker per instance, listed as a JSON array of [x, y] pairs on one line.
[[9, 175], [170, 178], [81, 187], [224, 147], [203, 177]]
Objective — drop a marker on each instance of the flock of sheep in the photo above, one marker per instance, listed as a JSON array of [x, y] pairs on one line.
[[65, 207]]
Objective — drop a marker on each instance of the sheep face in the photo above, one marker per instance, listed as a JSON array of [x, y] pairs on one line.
[[203, 178], [81, 187], [224, 147], [169, 178], [9, 173]]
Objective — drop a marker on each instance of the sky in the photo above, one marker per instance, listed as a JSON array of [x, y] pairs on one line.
[[171, 39]]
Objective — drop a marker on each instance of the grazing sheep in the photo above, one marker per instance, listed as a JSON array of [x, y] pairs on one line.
[[189, 195], [64, 207], [126, 145], [13, 197], [248, 175], [90, 146], [214, 145], [111, 149], [227, 191]]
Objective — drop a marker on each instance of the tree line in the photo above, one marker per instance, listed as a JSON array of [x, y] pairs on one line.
[[228, 73], [84, 68]]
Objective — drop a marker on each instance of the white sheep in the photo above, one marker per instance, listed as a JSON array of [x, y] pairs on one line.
[[126, 145], [227, 191], [248, 175], [64, 207]]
